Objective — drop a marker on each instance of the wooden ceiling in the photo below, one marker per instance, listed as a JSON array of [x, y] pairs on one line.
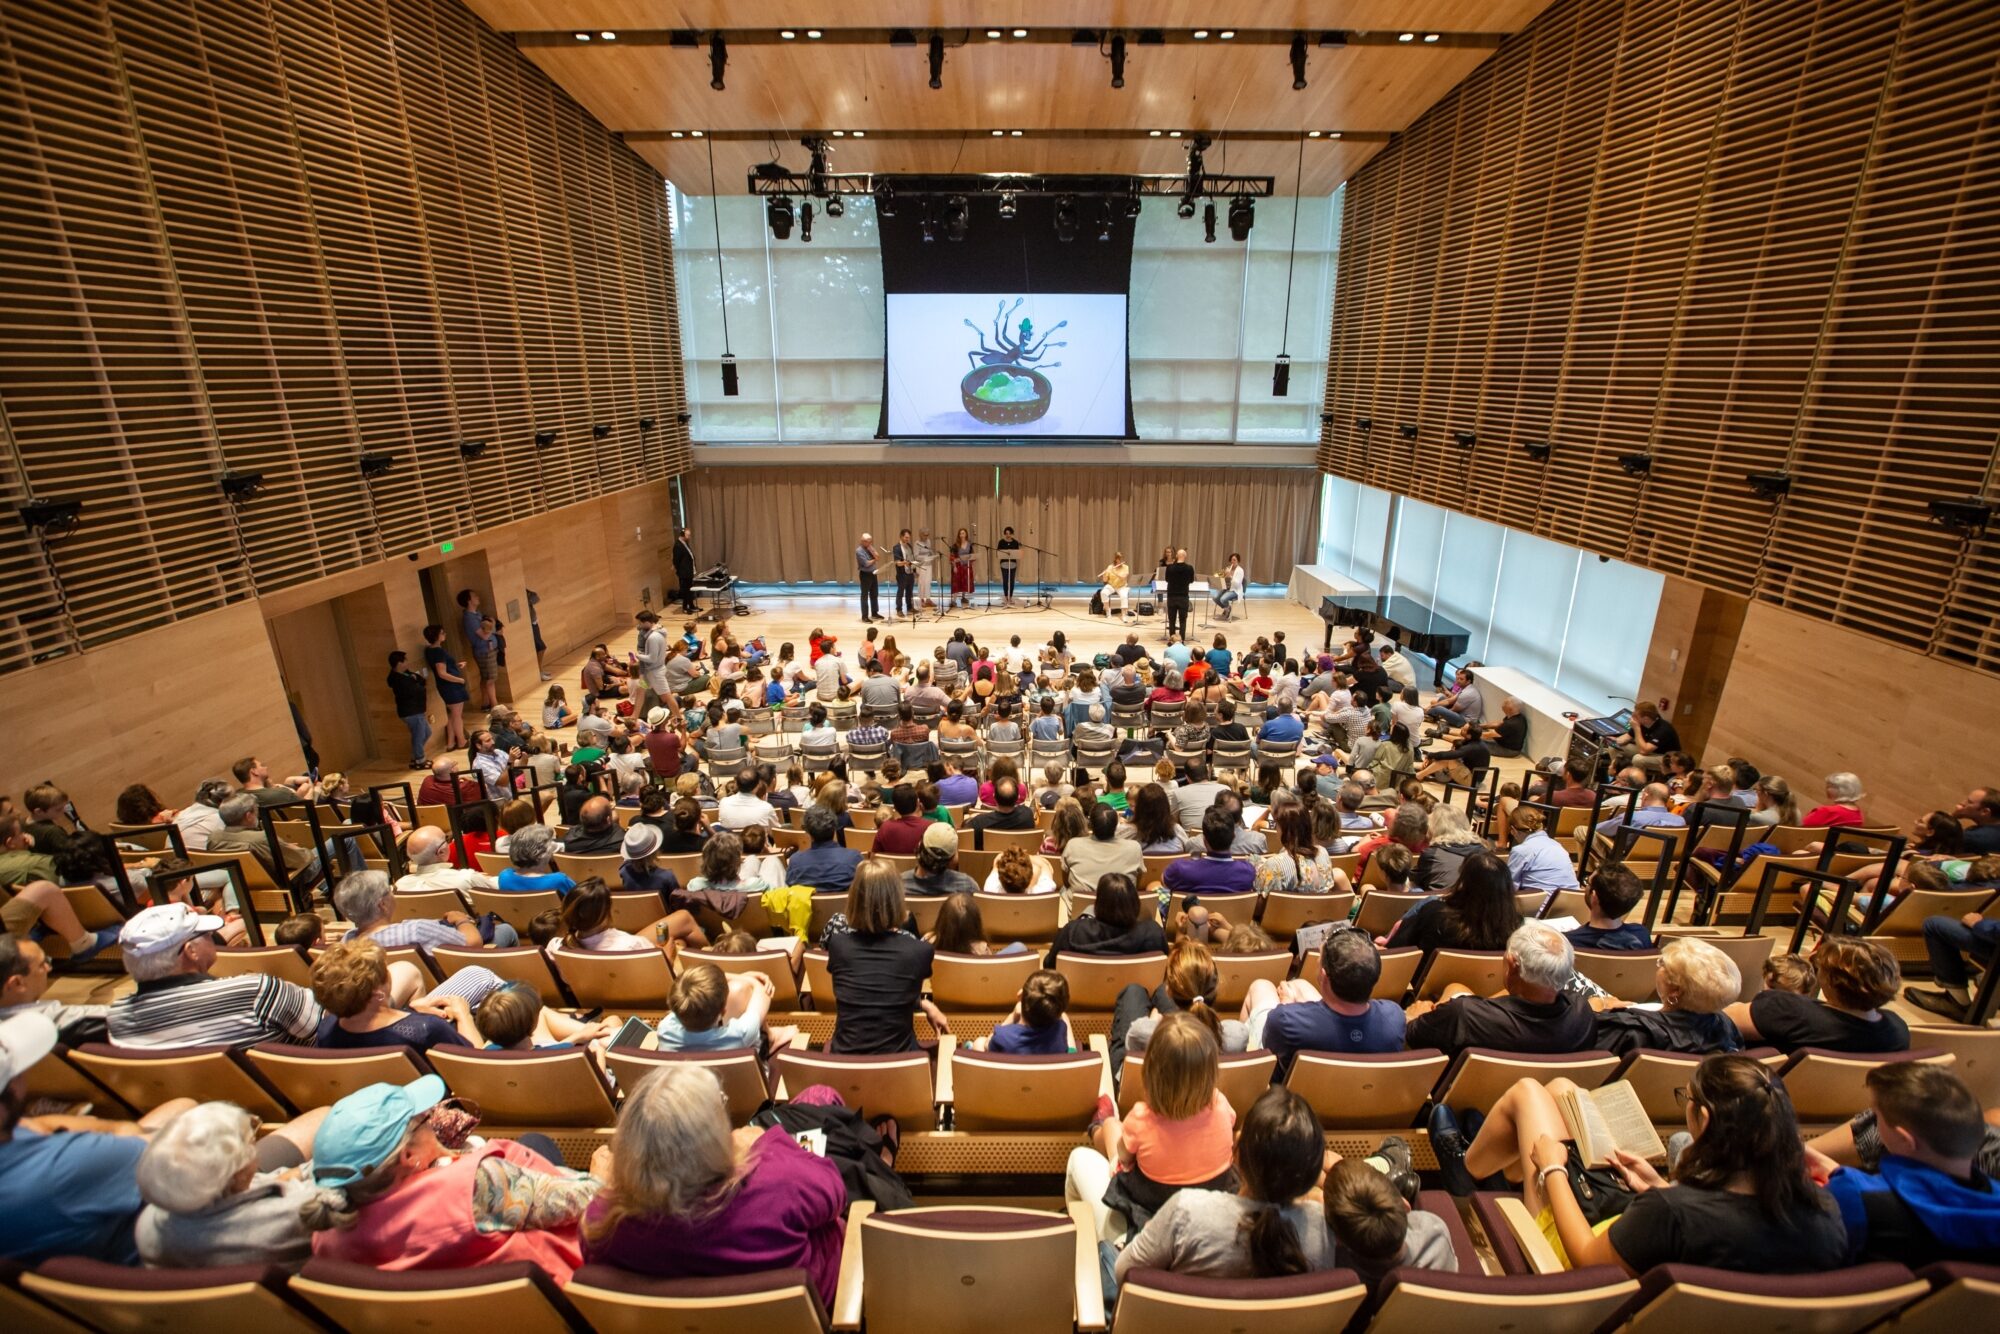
[[1057, 95]]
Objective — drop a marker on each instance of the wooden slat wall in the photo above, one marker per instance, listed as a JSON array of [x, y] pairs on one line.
[[269, 235], [1737, 236]]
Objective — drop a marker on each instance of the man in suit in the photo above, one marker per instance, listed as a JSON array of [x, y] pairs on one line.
[[906, 574], [1179, 578], [867, 561], [684, 567]]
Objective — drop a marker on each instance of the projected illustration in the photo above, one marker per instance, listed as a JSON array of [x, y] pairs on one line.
[[1049, 363], [1007, 384]]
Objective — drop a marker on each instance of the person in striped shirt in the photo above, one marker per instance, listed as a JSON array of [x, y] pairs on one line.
[[168, 950]]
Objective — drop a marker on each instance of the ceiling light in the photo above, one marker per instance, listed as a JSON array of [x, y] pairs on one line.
[[992, 32], [1015, 133], [1173, 134], [1186, 207], [695, 133], [675, 134], [1242, 217], [582, 36], [806, 221], [1208, 223], [778, 213], [1430, 37], [937, 61], [787, 34], [1020, 32], [608, 36], [1107, 220], [1312, 134], [1066, 217], [718, 61], [1155, 133], [1406, 37], [1333, 134], [835, 207], [1298, 58], [1008, 204], [957, 215], [1117, 62], [840, 134], [1200, 34], [814, 33], [861, 134], [1226, 34], [999, 133], [928, 223]]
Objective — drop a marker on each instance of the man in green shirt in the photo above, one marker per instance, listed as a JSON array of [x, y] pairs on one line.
[[1114, 788]]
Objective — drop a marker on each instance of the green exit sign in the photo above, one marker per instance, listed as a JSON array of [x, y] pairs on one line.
[[444, 548]]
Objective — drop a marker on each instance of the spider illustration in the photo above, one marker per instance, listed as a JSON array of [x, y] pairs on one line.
[[1023, 351]]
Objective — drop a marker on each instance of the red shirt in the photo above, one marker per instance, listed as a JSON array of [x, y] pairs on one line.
[[476, 842], [663, 748], [431, 792], [1825, 817], [900, 837]]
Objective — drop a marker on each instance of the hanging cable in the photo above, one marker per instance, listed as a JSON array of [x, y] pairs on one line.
[[729, 381], [1281, 373]]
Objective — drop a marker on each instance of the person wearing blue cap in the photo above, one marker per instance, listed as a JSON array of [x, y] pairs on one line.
[[393, 1195]]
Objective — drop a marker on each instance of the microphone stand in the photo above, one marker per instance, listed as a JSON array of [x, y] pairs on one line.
[[1042, 592], [987, 590]]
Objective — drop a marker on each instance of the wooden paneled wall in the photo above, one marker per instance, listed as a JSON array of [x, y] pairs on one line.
[[1731, 235], [271, 235]]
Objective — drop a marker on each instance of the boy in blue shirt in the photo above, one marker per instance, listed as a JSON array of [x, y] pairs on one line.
[[1612, 893], [1037, 1027], [712, 1012]]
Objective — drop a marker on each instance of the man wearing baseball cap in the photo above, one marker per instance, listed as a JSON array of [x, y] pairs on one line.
[[936, 870], [394, 1196], [67, 1193], [168, 950]]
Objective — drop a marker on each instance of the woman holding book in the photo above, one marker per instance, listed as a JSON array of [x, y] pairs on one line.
[[1738, 1196]]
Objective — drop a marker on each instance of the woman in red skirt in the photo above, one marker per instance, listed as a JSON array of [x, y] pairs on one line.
[[961, 568]]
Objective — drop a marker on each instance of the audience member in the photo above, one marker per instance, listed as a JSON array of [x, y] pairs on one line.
[[1088, 859], [1696, 983], [1478, 914], [531, 869], [219, 1192], [1534, 860], [1539, 1013], [1857, 978], [1338, 1013], [596, 833], [936, 871], [1449, 841], [351, 984], [1612, 893], [1115, 924], [168, 950], [878, 967]]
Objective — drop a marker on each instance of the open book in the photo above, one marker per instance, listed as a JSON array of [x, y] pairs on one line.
[[1607, 1118]]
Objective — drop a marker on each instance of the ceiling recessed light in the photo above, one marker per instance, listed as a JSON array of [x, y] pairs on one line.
[[1020, 32], [1430, 37], [1333, 134], [1017, 134], [992, 32], [582, 36], [787, 34], [675, 133], [608, 36], [1312, 134], [813, 33], [1406, 37], [1200, 34], [839, 134], [1173, 134], [1226, 34], [695, 133], [861, 134], [1156, 133], [999, 133]]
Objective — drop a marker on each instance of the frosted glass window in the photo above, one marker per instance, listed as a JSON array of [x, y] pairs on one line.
[[1371, 526], [1610, 625], [1467, 572], [1531, 604], [1419, 542], [1336, 523]]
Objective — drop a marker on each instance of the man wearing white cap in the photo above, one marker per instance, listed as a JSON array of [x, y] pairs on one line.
[[68, 1193], [168, 950]]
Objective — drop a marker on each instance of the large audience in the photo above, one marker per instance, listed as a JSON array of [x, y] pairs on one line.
[[1163, 799]]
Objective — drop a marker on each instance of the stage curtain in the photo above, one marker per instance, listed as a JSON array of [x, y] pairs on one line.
[[801, 523]]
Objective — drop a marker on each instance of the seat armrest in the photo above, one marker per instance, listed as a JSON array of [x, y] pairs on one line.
[[847, 1293], [1106, 1088], [1089, 1273], [1541, 1257], [1101, 1044], [947, 1044]]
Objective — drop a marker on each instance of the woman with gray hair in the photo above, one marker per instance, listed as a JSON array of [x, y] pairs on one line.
[[1451, 842], [531, 853], [216, 1194], [689, 1198]]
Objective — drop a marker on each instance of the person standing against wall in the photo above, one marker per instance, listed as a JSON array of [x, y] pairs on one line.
[[408, 688]]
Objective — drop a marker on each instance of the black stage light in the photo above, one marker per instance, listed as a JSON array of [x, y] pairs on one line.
[[957, 215], [375, 465], [1969, 516], [1638, 465], [545, 438], [1117, 62], [647, 423], [1242, 217], [1538, 450], [1364, 423], [1208, 222], [885, 200], [241, 486], [1066, 217], [1009, 205], [472, 449], [730, 385], [1408, 430], [778, 212], [937, 62], [928, 222], [1770, 485], [806, 221], [1467, 439], [52, 518], [599, 431], [834, 208], [718, 61], [1132, 206], [1186, 207], [1107, 218], [1281, 376], [1298, 63]]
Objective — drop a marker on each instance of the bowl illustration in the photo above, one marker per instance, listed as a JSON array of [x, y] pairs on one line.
[[994, 394]]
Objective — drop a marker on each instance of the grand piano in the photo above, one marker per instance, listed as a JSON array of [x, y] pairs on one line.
[[1404, 619]]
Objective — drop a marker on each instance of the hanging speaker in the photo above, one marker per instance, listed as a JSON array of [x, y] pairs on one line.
[[729, 383]]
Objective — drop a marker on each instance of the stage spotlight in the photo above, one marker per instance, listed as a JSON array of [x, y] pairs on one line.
[[718, 61], [1637, 465], [731, 386], [1538, 450], [1408, 430], [957, 215], [242, 486], [834, 207], [1281, 377], [885, 200], [1770, 485], [1242, 217], [599, 431], [1298, 63], [1106, 220], [471, 449], [806, 222], [1066, 217], [778, 213], [1186, 207], [1132, 206], [375, 465], [937, 62], [1968, 517], [1117, 62], [1009, 206], [928, 223], [1208, 223], [545, 438]]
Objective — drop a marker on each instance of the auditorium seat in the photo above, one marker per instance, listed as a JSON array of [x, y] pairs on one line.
[[517, 1296], [981, 986], [580, 868], [1655, 1075], [56, 1077], [1383, 908], [1242, 1076], [267, 897], [1630, 975], [281, 961], [1096, 979], [545, 1089], [617, 1301], [424, 904], [1481, 1074], [1153, 1301], [1399, 968], [1384, 1090], [824, 905], [321, 1076], [1424, 1301], [1828, 1087], [1285, 913], [492, 863], [1235, 972], [121, 1299], [813, 963], [744, 1084], [999, 840], [1484, 971], [515, 909], [898, 1084], [144, 1078], [23, 1311], [516, 963], [924, 907], [1962, 1297], [1902, 926], [1683, 1297], [635, 912], [1975, 1055], [769, 963], [409, 954], [968, 1271], [618, 980], [685, 865], [1032, 919], [989, 1091]]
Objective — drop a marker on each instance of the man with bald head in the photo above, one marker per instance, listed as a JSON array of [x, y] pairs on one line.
[[596, 832], [429, 851], [1178, 575], [444, 787]]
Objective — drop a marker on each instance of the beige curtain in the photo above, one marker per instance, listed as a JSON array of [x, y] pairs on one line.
[[788, 524]]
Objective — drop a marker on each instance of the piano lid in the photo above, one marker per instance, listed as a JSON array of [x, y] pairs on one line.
[[1412, 616]]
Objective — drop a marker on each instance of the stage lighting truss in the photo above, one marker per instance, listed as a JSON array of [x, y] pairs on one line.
[[1207, 185]]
